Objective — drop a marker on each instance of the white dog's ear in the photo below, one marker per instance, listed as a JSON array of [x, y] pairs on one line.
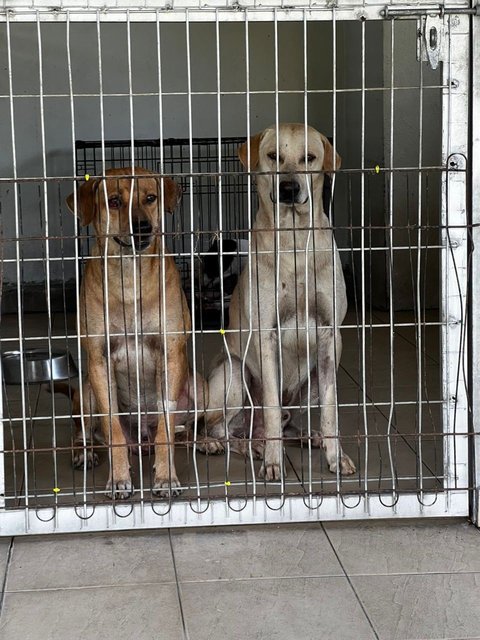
[[254, 144], [329, 166], [86, 202]]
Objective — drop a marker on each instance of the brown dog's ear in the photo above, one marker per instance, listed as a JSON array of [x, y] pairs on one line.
[[254, 144], [86, 202], [172, 193], [329, 166]]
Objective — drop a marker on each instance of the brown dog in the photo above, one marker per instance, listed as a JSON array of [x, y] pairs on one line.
[[134, 323]]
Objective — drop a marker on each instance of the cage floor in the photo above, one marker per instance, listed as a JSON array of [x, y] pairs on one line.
[[393, 450]]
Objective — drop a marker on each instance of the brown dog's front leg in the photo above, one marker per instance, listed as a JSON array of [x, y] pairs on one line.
[[119, 483], [166, 482]]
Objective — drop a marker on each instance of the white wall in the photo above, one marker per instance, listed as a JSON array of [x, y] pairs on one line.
[[85, 74]]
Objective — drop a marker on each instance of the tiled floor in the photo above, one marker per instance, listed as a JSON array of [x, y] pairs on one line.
[[389, 581]]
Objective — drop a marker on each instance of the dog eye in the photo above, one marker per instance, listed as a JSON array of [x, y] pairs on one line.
[[150, 198], [114, 203], [272, 155], [310, 158]]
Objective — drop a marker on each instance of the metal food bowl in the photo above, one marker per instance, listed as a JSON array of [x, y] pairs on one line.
[[38, 366]]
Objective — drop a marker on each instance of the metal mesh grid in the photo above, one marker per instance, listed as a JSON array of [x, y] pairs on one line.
[[397, 217]]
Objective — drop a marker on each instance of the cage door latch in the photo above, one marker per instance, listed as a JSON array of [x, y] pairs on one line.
[[431, 39]]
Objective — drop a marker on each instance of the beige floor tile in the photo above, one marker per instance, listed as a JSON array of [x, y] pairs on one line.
[[253, 552], [123, 613], [59, 562], [418, 546], [307, 608], [422, 607]]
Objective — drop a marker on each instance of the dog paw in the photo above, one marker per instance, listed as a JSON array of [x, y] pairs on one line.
[[347, 468], [258, 450], [87, 458], [270, 472], [119, 490], [245, 447], [316, 439], [211, 446], [167, 487]]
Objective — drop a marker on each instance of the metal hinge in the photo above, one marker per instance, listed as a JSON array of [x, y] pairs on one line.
[[431, 19], [430, 40]]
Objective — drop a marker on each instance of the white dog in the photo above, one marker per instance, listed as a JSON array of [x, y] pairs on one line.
[[295, 281]]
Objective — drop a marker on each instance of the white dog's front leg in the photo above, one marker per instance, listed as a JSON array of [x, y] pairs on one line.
[[326, 371], [273, 458], [226, 394]]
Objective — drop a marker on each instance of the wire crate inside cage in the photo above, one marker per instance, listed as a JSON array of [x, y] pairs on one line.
[[213, 210]]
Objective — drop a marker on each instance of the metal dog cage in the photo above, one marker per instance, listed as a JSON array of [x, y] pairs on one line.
[[396, 89]]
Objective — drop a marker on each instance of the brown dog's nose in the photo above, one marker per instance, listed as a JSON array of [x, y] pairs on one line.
[[288, 191], [142, 233], [142, 227]]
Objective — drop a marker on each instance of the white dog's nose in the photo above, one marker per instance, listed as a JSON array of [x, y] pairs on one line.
[[289, 191]]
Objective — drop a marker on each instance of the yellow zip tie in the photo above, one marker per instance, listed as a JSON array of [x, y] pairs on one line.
[[377, 168], [87, 177], [228, 483], [56, 490], [222, 332]]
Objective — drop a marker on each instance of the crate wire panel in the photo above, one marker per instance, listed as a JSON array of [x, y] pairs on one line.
[[216, 501]]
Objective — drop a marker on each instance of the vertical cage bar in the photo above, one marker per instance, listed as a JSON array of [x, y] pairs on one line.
[[418, 290], [165, 405], [137, 270], [220, 233], [104, 258], [76, 227], [219, 167], [250, 259], [47, 262], [192, 254], [278, 254], [334, 144], [18, 257], [475, 271], [364, 275], [307, 251], [390, 263]]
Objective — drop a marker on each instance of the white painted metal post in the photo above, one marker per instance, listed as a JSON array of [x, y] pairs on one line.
[[475, 271], [455, 255]]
